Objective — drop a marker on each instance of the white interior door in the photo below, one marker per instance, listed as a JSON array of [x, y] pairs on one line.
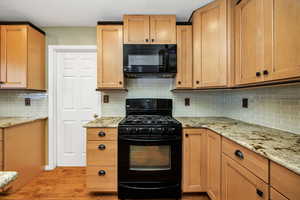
[[77, 103]]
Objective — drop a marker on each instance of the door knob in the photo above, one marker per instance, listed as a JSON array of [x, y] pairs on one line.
[[179, 82], [257, 74], [101, 147], [265, 72], [101, 134], [101, 173], [146, 40]]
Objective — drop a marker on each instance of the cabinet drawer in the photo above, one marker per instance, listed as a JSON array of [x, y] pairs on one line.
[[274, 195], [285, 181], [102, 153], [102, 133], [105, 182], [250, 160]]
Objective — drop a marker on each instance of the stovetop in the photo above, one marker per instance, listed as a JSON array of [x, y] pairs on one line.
[[154, 120]]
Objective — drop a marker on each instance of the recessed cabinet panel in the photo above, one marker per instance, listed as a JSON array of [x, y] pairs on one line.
[[110, 56], [136, 29], [163, 29], [184, 76]]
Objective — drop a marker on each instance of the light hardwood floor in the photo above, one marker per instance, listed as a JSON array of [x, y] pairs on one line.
[[66, 184]]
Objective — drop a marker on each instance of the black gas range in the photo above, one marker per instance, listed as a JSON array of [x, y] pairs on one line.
[[149, 150]]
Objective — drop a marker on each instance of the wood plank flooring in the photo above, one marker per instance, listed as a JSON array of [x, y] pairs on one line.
[[67, 183]]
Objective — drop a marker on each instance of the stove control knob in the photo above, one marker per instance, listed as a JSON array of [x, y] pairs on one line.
[[171, 130]]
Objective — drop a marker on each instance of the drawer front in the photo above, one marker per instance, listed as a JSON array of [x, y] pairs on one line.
[[102, 133], [247, 158], [101, 179], [102, 153], [285, 181], [274, 195]]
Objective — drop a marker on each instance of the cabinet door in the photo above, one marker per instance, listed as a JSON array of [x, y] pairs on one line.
[[213, 42], [184, 77], [282, 30], [214, 165], [249, 41], [274, 195], [13, 70], [163, 29], [136, 29], [197, 49], [194, 163], [110, 56], [239, 183]]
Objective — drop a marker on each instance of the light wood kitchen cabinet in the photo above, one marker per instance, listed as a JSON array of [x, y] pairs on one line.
[[1, 149], [136, 29], [214, 165], [212, 32], [110, 57], [101, 159], [239, 183], [23, 150], [194, 160], [285, 181], [22, 58], [263, 50], [274, 195], [153, 29], [184, 76]]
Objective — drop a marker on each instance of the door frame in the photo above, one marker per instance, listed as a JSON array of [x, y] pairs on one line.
[[53, 51]]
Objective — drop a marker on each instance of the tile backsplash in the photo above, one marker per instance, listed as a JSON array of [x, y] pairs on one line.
[[12, 104]]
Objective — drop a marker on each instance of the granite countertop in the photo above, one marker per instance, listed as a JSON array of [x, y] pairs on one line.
[[7, 177], [104, 122], [279, 146], [6, 122]]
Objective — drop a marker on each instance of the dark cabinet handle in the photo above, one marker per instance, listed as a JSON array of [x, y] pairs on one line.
[[120, 82], [265, 72], [186, 135], [259, 192], [146, 40], [101, 173], [152, 40], [197, 82], [179, 82], [101, 134], [101, 147], [257, 74], [239, 154], [1, 82]]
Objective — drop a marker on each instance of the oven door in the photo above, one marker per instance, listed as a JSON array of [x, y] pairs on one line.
[[155, 160]]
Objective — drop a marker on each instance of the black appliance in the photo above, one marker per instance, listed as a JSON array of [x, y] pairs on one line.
[[149, 151], [153, 60]]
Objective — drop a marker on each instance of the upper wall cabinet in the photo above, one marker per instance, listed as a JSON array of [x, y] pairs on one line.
[[212, 45], [110, 57], [154, 29], [184, 76], [267, 41], [22, 58]]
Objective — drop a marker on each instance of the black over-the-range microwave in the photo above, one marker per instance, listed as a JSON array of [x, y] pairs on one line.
[[155, 60]]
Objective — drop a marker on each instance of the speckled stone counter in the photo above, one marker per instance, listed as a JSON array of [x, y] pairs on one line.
[[6, 122], [104, 122], [6, 178], [279, 146]]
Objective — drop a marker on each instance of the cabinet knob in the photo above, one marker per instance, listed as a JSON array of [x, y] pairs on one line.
[[101, 134], [101, 173], [147, 40], [120, 82], [265, 72], [101, 147], [239, 154], [257, 74], [179, 82], [152, 40], [259, 192], [1, 82], [197, 82], [186, 135]]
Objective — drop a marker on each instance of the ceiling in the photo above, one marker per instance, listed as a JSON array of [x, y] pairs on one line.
[[88, 12]]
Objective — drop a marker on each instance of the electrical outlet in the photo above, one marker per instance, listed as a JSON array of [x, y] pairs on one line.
[[105, 98], [187, 102], [245, 102], [27, 102]]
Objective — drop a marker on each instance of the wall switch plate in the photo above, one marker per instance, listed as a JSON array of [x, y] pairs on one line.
[[187, 102], [245, 102], [105, 98], [27, 102]]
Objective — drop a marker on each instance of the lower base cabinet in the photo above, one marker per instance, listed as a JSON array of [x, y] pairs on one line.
[[102, 179], [239, 183], [274, 195]]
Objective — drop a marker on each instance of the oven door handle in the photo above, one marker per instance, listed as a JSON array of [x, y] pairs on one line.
[[149, 140], [146, 188]]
